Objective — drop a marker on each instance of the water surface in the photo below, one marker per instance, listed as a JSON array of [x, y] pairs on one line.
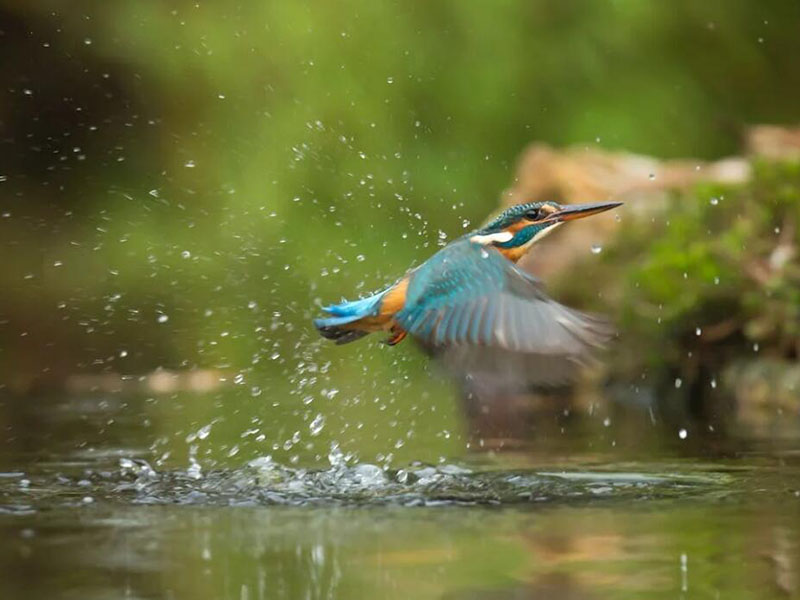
[[86, 513]]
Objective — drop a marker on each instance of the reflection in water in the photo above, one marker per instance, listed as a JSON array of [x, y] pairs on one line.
[[86, 511], [660, 549]]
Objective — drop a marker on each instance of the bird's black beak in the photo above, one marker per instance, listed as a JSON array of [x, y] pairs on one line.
[[579, 211]]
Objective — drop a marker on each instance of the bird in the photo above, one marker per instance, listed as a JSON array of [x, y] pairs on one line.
[[471, 306]]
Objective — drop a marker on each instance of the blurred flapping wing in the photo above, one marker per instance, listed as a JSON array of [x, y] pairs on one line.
[[492, 324]]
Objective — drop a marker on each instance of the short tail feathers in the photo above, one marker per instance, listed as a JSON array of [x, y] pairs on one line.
[[356, 309], [345, 313]]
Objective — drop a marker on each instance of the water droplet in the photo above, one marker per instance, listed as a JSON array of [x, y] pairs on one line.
[[255, 391], [123, 353], [189, 164], [714, 201], [204, 431], [698, 331], [87, 41], [678, 383], [606, 422], [755, 347], [336, 456], [596, 248], [714, 384], [652, 176], [316, 426], [186, 254], [390, 80], [162, 318], [716, 280], [682, 434], [195, 471]]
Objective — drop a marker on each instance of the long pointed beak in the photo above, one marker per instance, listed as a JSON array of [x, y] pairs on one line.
[[579, 211]]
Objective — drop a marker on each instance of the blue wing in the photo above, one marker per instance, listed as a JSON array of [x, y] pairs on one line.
[[488, 319]]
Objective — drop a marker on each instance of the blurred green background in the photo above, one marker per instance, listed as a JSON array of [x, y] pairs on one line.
[[183, 183]]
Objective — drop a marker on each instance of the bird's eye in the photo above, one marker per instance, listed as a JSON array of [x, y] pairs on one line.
[[534, 214]]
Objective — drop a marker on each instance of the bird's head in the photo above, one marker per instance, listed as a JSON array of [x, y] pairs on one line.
[[517, 228]]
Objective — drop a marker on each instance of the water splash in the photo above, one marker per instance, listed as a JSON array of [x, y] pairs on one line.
[[264, 481]]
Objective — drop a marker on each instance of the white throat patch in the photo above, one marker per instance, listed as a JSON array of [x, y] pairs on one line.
[[505, 236], [485, 240]]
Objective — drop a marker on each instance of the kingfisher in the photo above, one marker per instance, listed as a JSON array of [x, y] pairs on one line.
[[473, 307]]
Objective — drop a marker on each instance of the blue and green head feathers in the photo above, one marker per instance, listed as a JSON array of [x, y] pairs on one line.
[[518, 227], [531, 212]]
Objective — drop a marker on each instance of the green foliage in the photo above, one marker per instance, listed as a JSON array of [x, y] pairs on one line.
[[711, 275], [209, 156]]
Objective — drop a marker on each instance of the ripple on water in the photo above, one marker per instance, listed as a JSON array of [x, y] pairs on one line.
[[266, 482]]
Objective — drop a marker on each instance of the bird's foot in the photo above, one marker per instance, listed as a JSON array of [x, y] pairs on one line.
[[398, 335]]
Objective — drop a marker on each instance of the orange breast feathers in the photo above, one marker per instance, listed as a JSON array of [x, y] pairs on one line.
[[395, 298], [513, 254]]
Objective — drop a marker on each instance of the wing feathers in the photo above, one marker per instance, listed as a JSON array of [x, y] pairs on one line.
[[487, 318]]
